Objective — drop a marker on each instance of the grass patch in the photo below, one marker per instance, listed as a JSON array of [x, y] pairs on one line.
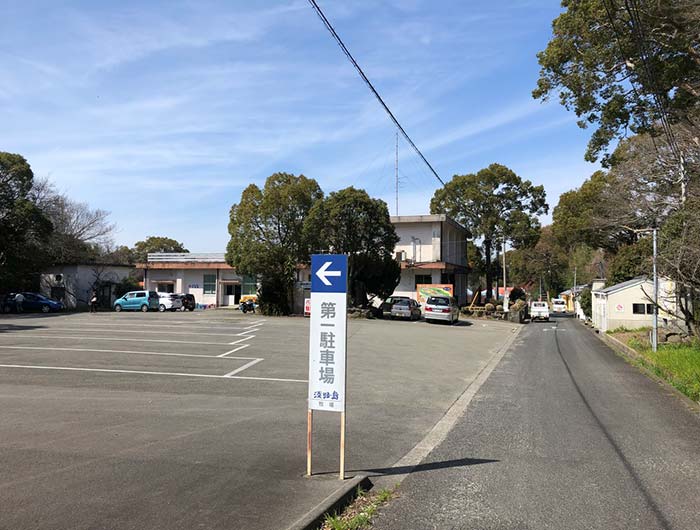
[[359, 514], [624, 329], [679, 364]]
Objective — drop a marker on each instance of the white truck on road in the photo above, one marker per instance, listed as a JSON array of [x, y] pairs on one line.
[[539, 311]]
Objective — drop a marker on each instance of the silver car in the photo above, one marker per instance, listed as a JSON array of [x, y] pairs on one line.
[[406, 308], [443, 308]]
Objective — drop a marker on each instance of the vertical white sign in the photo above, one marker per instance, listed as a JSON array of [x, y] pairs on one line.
[[328, 333]]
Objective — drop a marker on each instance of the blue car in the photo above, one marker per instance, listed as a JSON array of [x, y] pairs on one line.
[[137, 301], [37, 302]]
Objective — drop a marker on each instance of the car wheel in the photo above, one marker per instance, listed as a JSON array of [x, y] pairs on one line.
[[144, 308], [45, 308], [161, 308], [117, 308]]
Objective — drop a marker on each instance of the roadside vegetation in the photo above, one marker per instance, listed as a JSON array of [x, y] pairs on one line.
[[679, 364], [359, 514]]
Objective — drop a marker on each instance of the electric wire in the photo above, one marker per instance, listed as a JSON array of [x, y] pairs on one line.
[[379, 98]]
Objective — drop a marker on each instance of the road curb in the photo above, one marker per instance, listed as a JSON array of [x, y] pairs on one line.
[[347, 493], [334, 503], [440, 430], [630, 354]]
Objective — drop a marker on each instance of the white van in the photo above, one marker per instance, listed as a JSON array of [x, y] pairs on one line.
[[558, 305], [539, 311]]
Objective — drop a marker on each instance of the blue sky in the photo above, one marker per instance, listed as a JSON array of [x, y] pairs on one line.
[[162, 112]]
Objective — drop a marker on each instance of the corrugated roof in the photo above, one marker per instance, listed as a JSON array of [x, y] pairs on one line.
[[189, 257], [624, 285]]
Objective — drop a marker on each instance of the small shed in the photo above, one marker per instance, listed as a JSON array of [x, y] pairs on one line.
[[630, 304]]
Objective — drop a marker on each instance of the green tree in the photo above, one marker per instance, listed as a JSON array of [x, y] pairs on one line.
[[350, 222], [267, 235], [493, 203], [631, 261], [24, 229], [611, 61], [154, 244]]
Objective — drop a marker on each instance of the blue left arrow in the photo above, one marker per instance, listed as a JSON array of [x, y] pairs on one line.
[[329, 273]]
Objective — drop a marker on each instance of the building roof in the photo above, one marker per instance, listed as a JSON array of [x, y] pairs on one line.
[[624, 285], [433, 218], [188, 257]]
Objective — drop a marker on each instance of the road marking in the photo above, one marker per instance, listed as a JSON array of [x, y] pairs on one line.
[[23, 335], [168, 354], [169, 324], [235, 350], [248, 331], [244, 367], [91, 330], [176, 374], [241, 340]]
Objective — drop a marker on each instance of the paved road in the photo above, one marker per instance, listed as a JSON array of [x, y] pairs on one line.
[[130, 421], [563, 435]]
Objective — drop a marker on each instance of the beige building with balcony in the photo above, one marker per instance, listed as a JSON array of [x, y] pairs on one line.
[[432, 249]]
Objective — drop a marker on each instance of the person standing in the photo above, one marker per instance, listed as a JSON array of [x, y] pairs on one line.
[[19, 300], [93, 301]]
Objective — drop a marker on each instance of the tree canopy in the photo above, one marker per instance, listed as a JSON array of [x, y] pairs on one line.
[[267, 235], [493, 203], [350, 222], [24, 228], [616, 65], [154, 244]]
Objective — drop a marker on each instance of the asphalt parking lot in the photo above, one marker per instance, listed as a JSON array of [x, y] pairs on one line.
[[198, 420]]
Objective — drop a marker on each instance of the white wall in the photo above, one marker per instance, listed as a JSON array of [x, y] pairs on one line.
[[454, 245], [425, 250], [78, 281]]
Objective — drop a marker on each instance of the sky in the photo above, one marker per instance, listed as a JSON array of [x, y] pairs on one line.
[[163, 112]]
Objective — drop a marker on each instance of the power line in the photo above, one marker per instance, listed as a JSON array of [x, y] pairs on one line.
[[373, 90]]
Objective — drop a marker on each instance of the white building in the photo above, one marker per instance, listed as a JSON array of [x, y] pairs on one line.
[[73, 284], [432, 249], [630, 304], [207, 276]]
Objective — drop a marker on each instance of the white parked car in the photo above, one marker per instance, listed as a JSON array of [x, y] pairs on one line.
[[539, 311], [443, 308], [558, 305], [169, 302]]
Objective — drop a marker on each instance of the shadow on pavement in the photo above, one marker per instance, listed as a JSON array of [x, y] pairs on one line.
[[12, 327], [429, 466]]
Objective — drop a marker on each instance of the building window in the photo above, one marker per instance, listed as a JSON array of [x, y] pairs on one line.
[[209, 283], [638, 309], [650, 309], [423, 279], [249, 285]]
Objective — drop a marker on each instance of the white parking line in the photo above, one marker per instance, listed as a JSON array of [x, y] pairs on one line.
[[168, 354], [244, 367], [241, 340], [234, 350], [32, 335], [169, 324], [177, 374], [91, 330]]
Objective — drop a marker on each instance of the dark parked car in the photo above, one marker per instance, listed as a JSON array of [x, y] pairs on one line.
[[385, 308], [34, 302], [188, 302], [8, 303]]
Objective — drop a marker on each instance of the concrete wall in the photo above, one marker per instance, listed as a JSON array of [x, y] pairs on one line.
[[191, 281], [614, 310], [454, 245], [427, 244], [77, 281]]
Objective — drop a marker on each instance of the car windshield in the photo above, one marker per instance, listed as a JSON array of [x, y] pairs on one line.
[[438, 300], [395, 300], [539, 304], [401, 302]]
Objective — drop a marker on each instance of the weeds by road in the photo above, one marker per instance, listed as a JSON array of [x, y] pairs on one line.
[[679, 364], [359, 514]]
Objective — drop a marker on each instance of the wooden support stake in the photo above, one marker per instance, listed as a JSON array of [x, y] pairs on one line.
[[309, 430], [342, 445]]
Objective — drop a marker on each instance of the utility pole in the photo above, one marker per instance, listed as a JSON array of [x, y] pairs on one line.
[[396, 173], [573, 291], [505, 296], [655, 332]]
